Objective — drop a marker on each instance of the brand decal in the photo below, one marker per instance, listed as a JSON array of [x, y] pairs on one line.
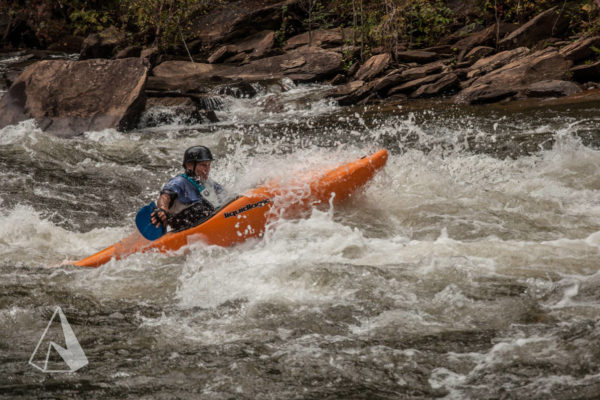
[[247, 207]]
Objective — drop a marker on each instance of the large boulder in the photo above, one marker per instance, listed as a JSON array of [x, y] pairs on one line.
[[513, 77], [67, 98], [549, 23]]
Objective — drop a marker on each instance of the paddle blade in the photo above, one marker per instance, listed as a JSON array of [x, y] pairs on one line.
[[145, 226]]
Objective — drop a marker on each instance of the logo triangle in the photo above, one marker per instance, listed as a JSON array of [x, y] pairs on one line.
[[72, 354]]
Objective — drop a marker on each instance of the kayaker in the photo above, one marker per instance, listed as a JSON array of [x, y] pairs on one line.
[[189, 198]]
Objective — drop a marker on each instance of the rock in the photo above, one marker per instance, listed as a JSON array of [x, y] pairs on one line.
[[587, 72], [581, 49], [411, 86], [70, 97], [444, 50], [485, 37], [339, 79], [345, 90], [184, 76], [551, 88], [508, 80], [129, 51], [479, 52], [362, 91], [353, 69], [304, 64], [101, 45], [324, 38], [484, 93], [239, 19], [392, 79], [421, 72], [418, 56], [373, 67], [462, 33], [496, 61], [221, 54], [151, 55], [446, 84], [549, 23], [258, 44]]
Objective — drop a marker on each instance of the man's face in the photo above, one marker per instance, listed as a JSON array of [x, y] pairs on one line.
[[202, 169]]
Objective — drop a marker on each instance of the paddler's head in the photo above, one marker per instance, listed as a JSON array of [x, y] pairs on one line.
[[196, 161]]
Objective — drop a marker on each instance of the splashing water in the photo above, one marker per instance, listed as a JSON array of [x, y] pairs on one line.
[[468, 267]]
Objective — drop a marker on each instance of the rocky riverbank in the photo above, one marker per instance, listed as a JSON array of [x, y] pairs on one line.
[[111, 83]]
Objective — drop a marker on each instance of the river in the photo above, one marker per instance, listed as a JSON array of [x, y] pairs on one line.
[[467, 269]]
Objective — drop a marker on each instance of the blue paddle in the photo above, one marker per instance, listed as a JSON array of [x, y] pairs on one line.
[[145, 226]]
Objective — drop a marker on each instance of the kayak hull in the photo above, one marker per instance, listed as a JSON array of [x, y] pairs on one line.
[[247, 216]]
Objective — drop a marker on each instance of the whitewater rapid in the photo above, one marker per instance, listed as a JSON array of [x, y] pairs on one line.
[[468, 266]]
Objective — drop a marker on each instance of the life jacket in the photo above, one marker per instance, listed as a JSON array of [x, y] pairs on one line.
[[195, 201]]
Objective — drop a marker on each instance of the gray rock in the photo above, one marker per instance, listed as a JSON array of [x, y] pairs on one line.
[[67, 98], [551, 88], [513, 77]]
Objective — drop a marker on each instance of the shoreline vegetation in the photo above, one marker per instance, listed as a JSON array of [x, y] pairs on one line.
[[180, 53]]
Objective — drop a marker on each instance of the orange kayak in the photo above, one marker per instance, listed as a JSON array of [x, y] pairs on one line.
[[248, 215]]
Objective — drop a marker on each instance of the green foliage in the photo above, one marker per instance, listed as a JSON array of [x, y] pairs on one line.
[[281, 33], [87, 21], [166, 20]]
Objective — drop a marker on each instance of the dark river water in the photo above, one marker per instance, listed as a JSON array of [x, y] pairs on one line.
[[467, 269]]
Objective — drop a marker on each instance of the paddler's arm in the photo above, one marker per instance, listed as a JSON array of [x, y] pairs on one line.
[[160, 216]]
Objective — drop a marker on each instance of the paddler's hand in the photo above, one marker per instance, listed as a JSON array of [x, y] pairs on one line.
[[159, 217]]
